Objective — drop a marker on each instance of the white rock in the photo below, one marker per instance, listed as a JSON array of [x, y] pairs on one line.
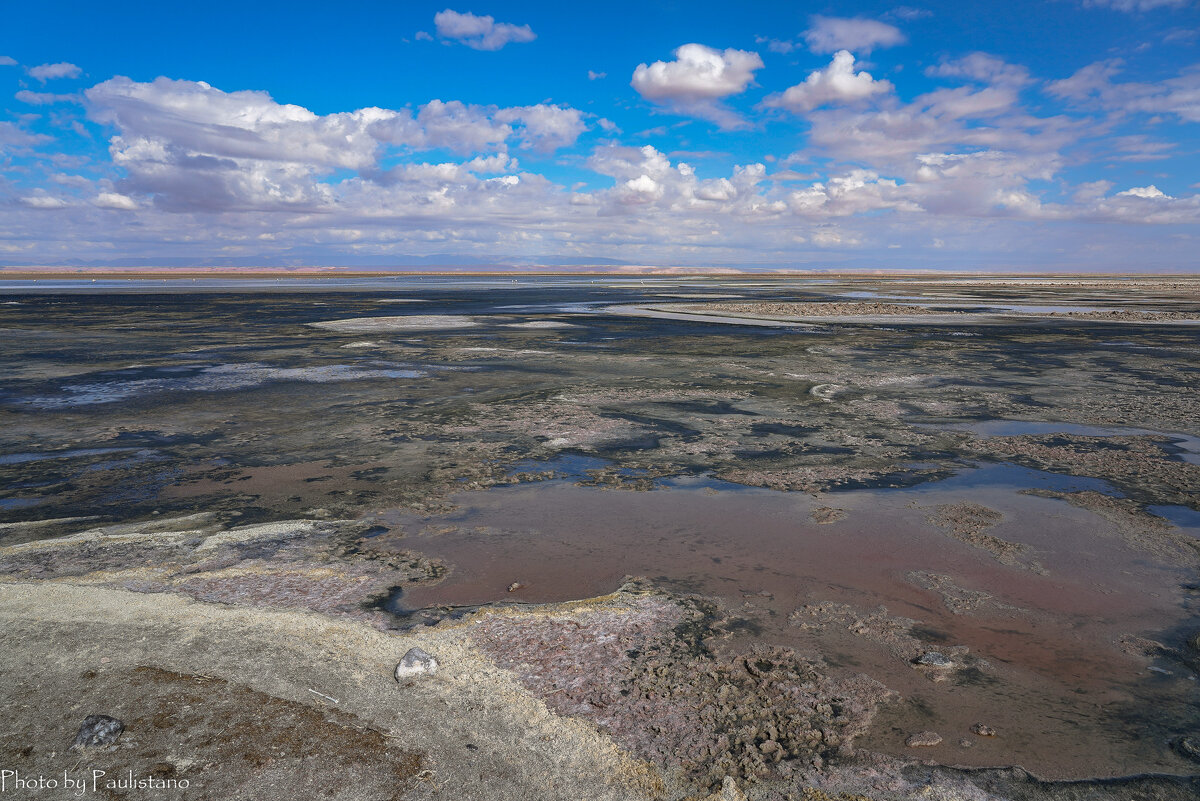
[[414, 663]]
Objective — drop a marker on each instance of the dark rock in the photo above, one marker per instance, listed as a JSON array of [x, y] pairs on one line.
[[98, 730], [983, 730], [934, 659], [1187, 746]]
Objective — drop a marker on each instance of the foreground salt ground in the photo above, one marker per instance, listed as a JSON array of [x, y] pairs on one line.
[[249, 689], [274, 704]]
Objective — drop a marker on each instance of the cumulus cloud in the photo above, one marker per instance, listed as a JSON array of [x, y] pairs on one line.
[[854, 192], [44, 202], [697, 79], [698, 73], [1151, 192], [114, 200], [480, 33], [649, 185], [46, 72], [543, 128], [192, 146], [836, 84], [861, 35], [257, 179], [175, 118]]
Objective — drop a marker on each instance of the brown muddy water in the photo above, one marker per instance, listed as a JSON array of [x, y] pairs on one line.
[[1017, 502], [1045, 665]]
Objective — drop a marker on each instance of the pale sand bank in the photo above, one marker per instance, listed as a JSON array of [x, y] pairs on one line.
[[799, 314], [293, 656], [413, 322]]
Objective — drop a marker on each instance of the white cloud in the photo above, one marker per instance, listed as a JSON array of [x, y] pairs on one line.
[[44, 202], [44, 98], [983, 68], [194, 147], [854, 192], [595, 76], [836, 84], [259, 180], [1151, 192], [114, 200], [497, 162], [46, 72], [543, 127], [830, 34], [910, 13], [13, 137], [480, 33], [776, 45], [7, 61], [890, 136], [1131, 6], [1092, 86], [186, 118], [1091, 191], [697, 79], [698, 73], [642, 189]]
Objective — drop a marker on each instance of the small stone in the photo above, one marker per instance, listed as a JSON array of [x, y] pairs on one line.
[[98, 730], [965, 743], [415, 663], [935, 659], [983, 730], [104, 660], [1187, 746], [516, 585], [923, 739], [729, 791]]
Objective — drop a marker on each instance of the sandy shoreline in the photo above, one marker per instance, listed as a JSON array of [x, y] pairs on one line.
[[810, 314], [286, 655]]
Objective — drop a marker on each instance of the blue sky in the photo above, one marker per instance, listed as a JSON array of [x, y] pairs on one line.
[[1019, 135]]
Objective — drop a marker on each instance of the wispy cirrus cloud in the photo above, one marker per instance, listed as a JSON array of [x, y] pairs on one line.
[[47, 72], [1133, 6], [1093, 87], [857, 34]]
